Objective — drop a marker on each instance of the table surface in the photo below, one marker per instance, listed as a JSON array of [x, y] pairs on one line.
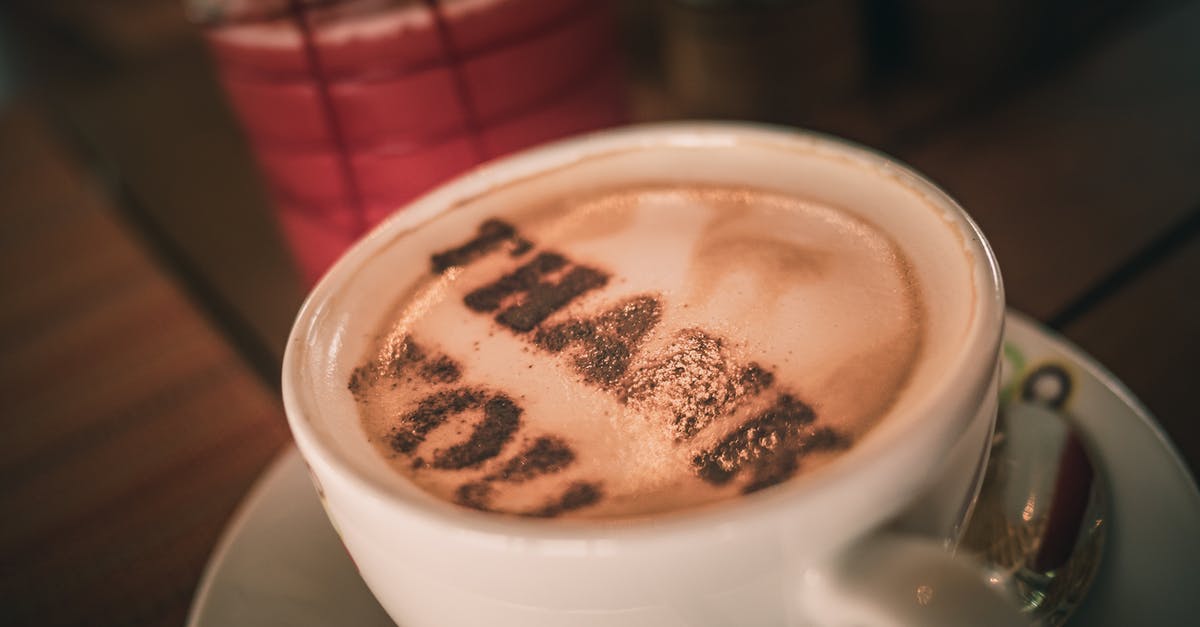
[[145, 295]]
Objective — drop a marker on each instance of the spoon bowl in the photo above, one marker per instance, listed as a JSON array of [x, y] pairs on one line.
[[1041, 518]]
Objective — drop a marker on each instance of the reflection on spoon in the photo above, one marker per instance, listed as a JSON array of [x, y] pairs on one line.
[[1041, 517]]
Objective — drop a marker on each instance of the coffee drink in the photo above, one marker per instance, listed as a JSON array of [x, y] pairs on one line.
[[629, 350], [719, 356]]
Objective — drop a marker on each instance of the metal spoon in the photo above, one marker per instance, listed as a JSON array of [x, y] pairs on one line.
[[1041, 517]]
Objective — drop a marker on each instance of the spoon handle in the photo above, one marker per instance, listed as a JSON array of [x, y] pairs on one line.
[[1068, 507]]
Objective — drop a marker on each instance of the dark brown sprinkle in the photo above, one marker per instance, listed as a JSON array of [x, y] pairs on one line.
[[559, 336], [476, 495], [826, 439], [432, 411], [363, 377], [418, 463], [544, 299], [695, 381], [578, 495], [774, 428], [775, 469], [521, 280], [501, 417], [490, 234], [633, 318], [436, 368], [368, 375], [772, 443], [520, 246], [605, 361], [772, 469], [756, 379], [630, 320], [609, 340], [409, 352], [546, 455], [441, 369]]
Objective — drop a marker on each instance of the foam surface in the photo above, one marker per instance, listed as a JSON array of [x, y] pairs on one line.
[[627, 352]]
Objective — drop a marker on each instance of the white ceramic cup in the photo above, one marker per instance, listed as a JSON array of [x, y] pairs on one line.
[[818, 549]]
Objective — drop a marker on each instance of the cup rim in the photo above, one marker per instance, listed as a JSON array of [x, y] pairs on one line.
[[876, 454]]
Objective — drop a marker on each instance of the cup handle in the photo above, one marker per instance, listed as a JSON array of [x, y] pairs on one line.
[[897, 580]]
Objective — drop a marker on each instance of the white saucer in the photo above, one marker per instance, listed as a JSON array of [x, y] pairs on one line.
[[280, 562]]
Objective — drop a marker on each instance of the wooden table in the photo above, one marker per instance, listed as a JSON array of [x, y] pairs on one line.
[[145, 296]]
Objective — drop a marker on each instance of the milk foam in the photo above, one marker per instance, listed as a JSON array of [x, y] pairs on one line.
[[749, 337]]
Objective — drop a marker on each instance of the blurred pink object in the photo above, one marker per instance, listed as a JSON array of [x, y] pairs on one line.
[[355, 107]]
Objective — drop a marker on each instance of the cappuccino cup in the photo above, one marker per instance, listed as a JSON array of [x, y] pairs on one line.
[[676, 374]]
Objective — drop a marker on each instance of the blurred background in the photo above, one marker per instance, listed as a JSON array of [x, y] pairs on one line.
[[174, 175]]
